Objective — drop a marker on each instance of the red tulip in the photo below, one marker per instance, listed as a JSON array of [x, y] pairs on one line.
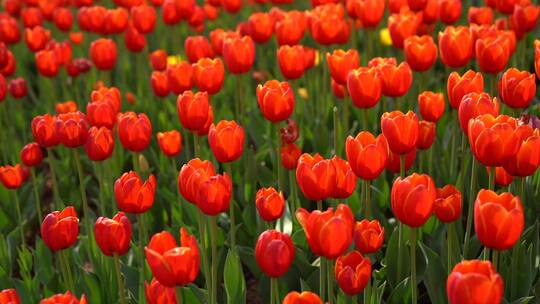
[[276, 100], [527, 159], [101, 113], [208, 75], [274, 253], [144, 18], [12, 177], [315, 176], [113, 235], [44, 131], [63, 18], [132, 195], [9, 296], [400, 130], [290, 153], [60, 229], [480, 15], [99, 144], [214, 194], [364, 86], [158, 294], [239, 54], [290, 29], [173, 265], [447, 205], [426, 134], [340, 63], [517, 88], [66, 298], [198, 47], [402, 26], [69, 106], [493, 139], [431, 105], [306, 297], [180, 77], [498, 219], [420, 52], [3, 88], [36, 38], [31, 17], [474, 282], [291, 60], [226, 140], [190, 177], [370, 12], [103, 53], [17, 88], [502, 177], [367, 154], [170, 142], [459, 86], [134, 40], [270, 204], [329, 233], [396, 79], [159, 83], [9, 30], [450, 11], [492, 53], [134, 131], [158, 60], [537, 58], [345, 179], [31, 155], [455, 46], [368, 236], [412, 199], [328, 25], [72, 129], [260, 27], [353, 271]]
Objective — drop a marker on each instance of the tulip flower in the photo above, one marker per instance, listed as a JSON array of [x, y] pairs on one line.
[[276, 100], [448, 204], [502, 177], [290, 29], [517, 88], [420, 52], [492, 53], [426, 134], [493, 139], [134, 40], [101, 114], [480, 15], [402, 26], [367, 155], [412, 199], [239, 54], [65, 298], [345, 178], [315, 176], [159, 83], [537, 58], [66, 107], [473, 105], [18, 88], [12, 177], [44, 131], [170, 142], [144, 18], [400, 130], [291, 61], [364, 85], [103, 53], [208, 75], [270, 204], [132, 195], [393, 163], [525, 16], [113, 235], [455, 46], [305, 297], [198, 47], [158, 294], [3, 88], [274, 253], [226, 140], [290, 153], [179, 77], [173, 265], [368, 236], [260, 27], [498, 219], [450, 11], [99, 144], [60, 229], [370, 12], [431, 105], [191, 175], [72, 129], [353, 271], [31, 155], [396, 79], [327, 25], [134, 131], [337, 89], [193, 109], [474, 281], [214, 194], [9, 296], [329, 233], [527, 159], [459, 86], [340, 63], [36, 38]]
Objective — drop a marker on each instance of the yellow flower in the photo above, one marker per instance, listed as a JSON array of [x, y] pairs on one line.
[[173, 59], [384, 36], [303, 93], [317, 57]]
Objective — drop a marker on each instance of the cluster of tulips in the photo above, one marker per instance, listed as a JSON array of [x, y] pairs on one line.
[[402, 198]]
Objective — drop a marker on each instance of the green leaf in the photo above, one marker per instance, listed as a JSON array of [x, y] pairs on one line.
[[401, 294], [92, 287], [235, 284], [393, 258], [434, 276]]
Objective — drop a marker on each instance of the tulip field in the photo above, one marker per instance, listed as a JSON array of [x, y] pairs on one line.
[[269, 151]]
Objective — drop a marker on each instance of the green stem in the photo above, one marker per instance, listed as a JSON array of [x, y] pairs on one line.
[[330, 280], [19, 216], [367, 189], [402, 170], [36, 195], [56, 196], [135, 160], [142, 229], [119, 279], [204, 253], [63, 268], [320, 205], [430, 161], [69, 276], [495, 259], [367, 292], [274, 291], [213, 240], [346, 127], [491, 174], [195, 145], [453, 146], [82, 190], [232, 217], [400, 244], [470, 210], [336, 130], [178, 290], [322, 276], [100, 173], [365, 121], [449, 239], [277, 151], [413, 265], [463, 162]]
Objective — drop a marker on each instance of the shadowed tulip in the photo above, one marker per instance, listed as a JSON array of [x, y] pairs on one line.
[[368, 236], [274, 253], [113, 235], [59, 229], [447, 205], [353, 271]]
